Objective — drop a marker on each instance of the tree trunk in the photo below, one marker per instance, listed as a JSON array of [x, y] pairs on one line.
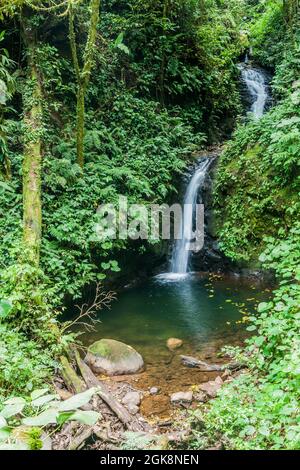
[[83, 76], [32, 161], [80, 124]]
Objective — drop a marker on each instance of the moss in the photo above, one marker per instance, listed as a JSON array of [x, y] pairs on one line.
[[100, 348], [111, 349]]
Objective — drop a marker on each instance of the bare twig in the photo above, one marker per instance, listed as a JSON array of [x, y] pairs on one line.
[[87, 313]]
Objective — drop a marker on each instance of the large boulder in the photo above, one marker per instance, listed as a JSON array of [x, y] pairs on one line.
[[111, 357]]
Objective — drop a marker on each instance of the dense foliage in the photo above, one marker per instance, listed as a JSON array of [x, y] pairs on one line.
[[260, 408], [257, 197], [139, 131], [145, 87], [134, 95]]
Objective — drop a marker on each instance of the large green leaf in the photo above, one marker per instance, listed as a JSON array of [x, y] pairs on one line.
[[12, 410], [3, 92], [43, 400], [18, 446], [38, 393], [85, 417], [3, 422], [4, 433], [43, 419], [77, 401], [5, 308]]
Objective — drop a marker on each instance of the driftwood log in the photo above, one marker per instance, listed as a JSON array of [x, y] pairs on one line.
[[78, 441], [205, 367]]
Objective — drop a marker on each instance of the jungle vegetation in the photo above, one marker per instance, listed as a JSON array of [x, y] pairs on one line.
[[99, 99]]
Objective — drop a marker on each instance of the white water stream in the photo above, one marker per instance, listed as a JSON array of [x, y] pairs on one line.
[[257, 88], [182, 248]]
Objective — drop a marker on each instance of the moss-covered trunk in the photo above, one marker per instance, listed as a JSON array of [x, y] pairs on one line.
[[80, 124], [32, 161], [83, 75]]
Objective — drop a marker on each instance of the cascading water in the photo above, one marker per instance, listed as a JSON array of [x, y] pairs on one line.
[[257, 87], [182, 249]]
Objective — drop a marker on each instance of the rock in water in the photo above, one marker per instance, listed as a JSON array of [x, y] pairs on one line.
[[181, 397], [174, 343], [111, 357]]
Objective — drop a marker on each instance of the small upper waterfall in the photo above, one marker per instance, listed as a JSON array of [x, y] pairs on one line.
[[257, 88], [182, 248]]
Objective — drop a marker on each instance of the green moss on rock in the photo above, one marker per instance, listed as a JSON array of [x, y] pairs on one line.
[[112, 357]]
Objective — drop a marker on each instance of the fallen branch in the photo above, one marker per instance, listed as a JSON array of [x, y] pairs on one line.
[[120, 411], [205, 367], [87, 316], [79, 440]]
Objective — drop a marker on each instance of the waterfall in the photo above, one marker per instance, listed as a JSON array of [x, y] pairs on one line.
[[257, 88], [182, 248]]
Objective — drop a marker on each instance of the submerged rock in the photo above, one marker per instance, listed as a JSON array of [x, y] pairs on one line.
[[111, 357], [182, 397], [154, 390], [174, 343]]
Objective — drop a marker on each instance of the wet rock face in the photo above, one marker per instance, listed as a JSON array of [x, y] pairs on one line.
[[111, 357]]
